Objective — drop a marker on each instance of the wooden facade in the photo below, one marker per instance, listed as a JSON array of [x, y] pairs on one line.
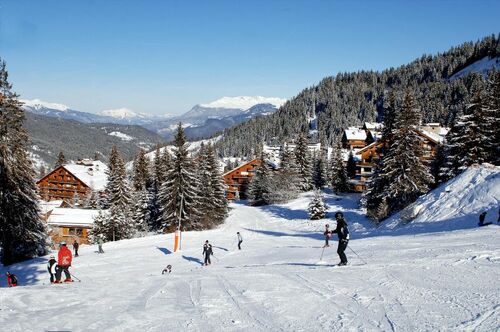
[[61, 184], [237, 180]]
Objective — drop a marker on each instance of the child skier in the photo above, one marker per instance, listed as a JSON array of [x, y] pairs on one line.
[[51, 267], [240, 240], [207, 251], [99, 246], [327, 235], [64, 258], [11, 279], [343, 233]]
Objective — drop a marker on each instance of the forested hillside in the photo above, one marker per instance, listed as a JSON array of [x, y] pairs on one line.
[[349, 99]]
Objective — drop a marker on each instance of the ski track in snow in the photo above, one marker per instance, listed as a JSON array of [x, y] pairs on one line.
[[412, 282]]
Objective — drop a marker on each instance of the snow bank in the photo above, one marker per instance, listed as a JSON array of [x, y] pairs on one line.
[[456, 203]]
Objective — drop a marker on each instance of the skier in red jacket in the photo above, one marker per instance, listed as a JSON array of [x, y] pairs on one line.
[[11, 279], [64, 258]]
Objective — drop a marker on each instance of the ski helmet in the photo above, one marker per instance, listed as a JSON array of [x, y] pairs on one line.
[[52, 256], [339, 215]]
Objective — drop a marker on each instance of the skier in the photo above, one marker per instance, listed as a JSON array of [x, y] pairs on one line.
[[482, 216], [207, 251], [168, 269], [64, 258], [327, 234], [343, 233], [99, 245], [11, 279], [51, 267], [240, 240], [75, 248]]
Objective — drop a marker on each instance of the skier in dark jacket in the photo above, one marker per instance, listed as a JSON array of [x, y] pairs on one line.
[[240, 240], [51, 267], [11, 279], [482, 216], [342, 232], [207, 251], [75, 248]]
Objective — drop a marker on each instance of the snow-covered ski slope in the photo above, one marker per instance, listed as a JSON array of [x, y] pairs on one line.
[[438, 281]]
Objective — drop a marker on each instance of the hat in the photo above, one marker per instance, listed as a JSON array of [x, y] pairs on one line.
[[62, 243], [206, 241], [51, 256], [339, 215]]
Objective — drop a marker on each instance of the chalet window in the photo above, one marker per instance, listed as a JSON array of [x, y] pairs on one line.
[[75, 231]]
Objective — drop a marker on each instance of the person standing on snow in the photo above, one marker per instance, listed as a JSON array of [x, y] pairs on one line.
[[11, 279], [207, 251], [327, 234], [99, 246], [240, 240], [51, 267], [343, 233], [75, 248], [64, 258], [482, 216]]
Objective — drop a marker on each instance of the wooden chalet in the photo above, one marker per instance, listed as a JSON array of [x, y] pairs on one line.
[[69, 180], [370, 154], [355, 138], [237, 180], [70, 224]]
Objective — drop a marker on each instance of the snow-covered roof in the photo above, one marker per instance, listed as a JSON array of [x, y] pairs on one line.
[[46, 206], [432, 136], [353, 133], [374, 126], [72, 217], [93, 173]]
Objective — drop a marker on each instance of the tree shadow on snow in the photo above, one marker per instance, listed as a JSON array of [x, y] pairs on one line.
[[30, 272], [225, 249], [310, 235], [285, 213], [164, 250], [192, 259]]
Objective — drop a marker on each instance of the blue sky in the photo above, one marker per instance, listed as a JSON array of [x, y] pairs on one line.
[[166, 56]]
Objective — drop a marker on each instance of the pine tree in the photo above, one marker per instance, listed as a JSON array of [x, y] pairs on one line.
[[100, 229], [320, 175], [141, 213], [406, 176], [303, 159], [180, 188], [259, 189], [141, 178], [61, 159], [92, 200], [22, 233], [317, 208], [119, 200], [351, 166], [492, 122], [338, 173]]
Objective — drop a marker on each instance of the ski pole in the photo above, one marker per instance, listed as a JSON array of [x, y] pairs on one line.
[[358, 255], [75, 277], [322, 251], [215, 258]]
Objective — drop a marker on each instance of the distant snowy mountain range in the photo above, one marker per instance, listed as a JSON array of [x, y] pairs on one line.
[[202, 121]]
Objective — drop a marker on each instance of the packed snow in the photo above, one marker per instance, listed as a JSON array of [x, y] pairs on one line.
[[122, 136], [244, 102], [414, 281]]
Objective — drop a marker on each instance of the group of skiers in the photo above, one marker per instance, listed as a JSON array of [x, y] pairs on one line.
[[208, 251], [63, 263]]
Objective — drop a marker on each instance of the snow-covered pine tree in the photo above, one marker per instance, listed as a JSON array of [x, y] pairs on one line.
[[338, 173], [259, 191], [119, 201], [22, 233], [288, 162], [467, 141], [320, 174], [140, 169], [317, 208], [493, 117], [303, 160], [92, 200], [100, 228], [141, 212], [407, 176], [61, 160], [161, 163], [180, 186]]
